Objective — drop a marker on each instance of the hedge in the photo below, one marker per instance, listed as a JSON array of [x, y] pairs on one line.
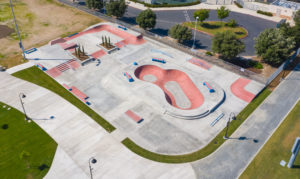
[[166, 5], [238, 4], [264, 13]]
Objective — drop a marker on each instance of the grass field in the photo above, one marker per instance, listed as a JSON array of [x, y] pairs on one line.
[[211, 147], [213, 27], [36, 76], [266, 163], [39, 22], [18, 136]]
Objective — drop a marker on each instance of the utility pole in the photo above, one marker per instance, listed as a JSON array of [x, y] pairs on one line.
[[193, 47], [17, 29]]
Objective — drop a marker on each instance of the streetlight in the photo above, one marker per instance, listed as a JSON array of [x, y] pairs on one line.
[[21, 96], [195, 32], [93, 161], [20, 41], [231, 116]]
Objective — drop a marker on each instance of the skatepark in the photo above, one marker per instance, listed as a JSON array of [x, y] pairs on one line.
[[166, 101]]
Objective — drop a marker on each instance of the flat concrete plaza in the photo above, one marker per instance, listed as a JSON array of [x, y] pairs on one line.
[[168, 108]]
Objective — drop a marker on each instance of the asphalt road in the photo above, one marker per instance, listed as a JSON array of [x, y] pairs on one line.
[[166, 19]]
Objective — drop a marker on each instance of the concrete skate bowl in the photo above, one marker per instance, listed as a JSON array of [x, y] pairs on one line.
[[183, 96], [127, 37]]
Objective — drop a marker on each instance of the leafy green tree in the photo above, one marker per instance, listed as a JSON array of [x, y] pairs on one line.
[[181, 33], [146, 19], [222, 13], [202, 14], [227, 44], [116, 8], [297, 17], [273, 46], [95, 4]]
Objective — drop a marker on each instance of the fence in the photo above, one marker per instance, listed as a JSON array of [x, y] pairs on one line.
[[282, 67], [186, 49]]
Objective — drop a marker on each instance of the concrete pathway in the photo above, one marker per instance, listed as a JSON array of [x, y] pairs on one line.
[[79, 137], [231, 159]]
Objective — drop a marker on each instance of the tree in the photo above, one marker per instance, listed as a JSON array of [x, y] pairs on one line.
[[116, 8], [95, 4], [146, 19], [227, 44], [273, 46], [297, 17], [222, 13], [202, 14], [181, 33]]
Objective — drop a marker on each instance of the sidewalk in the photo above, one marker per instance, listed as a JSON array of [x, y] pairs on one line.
[[233, 157], [79, 138], [233, 8]]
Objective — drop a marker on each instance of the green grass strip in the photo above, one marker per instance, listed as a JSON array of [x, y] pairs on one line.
[[18, 138], [266, 163], [210, 148], [36, 76]]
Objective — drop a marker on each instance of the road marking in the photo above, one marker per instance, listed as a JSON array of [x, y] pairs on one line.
[[186, 15]]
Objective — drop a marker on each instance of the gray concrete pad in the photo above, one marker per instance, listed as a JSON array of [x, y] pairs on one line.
[[111, 95]]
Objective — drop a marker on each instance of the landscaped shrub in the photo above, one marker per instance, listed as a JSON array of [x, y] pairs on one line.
[[231, 23], [238, 4], [264, 13], [256, 64], [208, 53], [165, 4]]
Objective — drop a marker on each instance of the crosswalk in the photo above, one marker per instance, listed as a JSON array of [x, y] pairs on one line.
[[186, 15]]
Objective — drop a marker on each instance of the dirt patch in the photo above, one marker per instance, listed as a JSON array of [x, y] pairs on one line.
[[5, 31], [39, 22]]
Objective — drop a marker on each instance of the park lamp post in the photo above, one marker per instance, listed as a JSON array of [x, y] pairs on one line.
[[231, 116], [17, 29], [193, 47], [21, 96], [92, 160]]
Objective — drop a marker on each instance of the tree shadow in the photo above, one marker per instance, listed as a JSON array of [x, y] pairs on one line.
[[159, 31], [129, 20], [198, 44], [43, 167]]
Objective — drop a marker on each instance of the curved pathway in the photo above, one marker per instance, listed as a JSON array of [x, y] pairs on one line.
[[79, 137]]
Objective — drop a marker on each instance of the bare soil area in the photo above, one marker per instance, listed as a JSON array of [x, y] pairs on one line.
[[5, 31], [39, 22]]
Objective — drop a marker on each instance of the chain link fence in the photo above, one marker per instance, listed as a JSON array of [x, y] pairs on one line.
[[219, 62]]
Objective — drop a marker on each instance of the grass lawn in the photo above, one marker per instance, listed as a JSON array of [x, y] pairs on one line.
[[17, 135], [213, 27], [36, 76], [210, 148], [266, 163], [39, 21]]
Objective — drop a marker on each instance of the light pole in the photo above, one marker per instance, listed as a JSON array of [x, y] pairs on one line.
[[195, 32], [21, 96], [93, 161], [17, 29], [231, 116]]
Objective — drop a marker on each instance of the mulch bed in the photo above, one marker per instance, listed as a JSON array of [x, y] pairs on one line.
[[5, 31]]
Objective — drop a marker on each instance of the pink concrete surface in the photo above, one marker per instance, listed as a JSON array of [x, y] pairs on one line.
[[127, 37], [98, 54], [133, 116], [200, 63], [74, 64], [163, 76], [53, 72], [238, 89], [78, 93]]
